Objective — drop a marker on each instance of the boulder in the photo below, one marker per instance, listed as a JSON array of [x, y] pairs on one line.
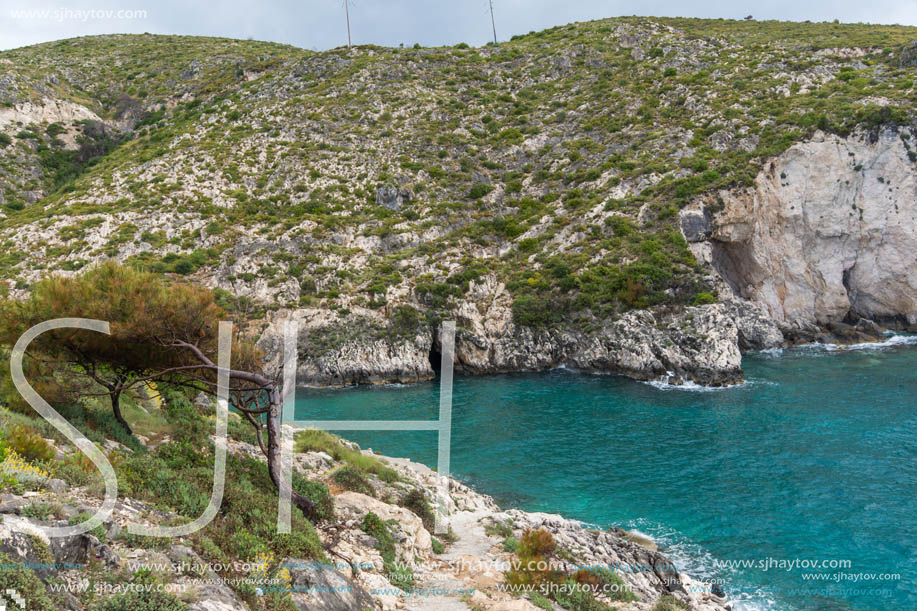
[[393, 197], [868, 327], [696, 225], [80, 549], [316, 587], [412, 539], [212, 596], [908, 56]]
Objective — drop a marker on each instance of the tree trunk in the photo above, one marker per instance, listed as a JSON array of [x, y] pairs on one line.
[[116, 408], [304, 504]]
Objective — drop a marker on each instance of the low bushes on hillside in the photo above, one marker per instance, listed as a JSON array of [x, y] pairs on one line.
[[538, 566], [417, 503], [353, 479], [26, 583], [27, 443], [399, 576]]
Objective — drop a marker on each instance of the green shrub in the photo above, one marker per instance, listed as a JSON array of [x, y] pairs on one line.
[[536, 546], [322, 441], [576, 599], [704, 299], [5, 139], [302, 542], [542, 602], [353, 479], [406, 321], [510, 544], [27, 443], [479, 190], [536, 543], [318, 493], [417, 503], [246, 544], [74, 475], [670, 603], [606, 581], [140, 601], [55, 129], [620, 592], [24, 581], [37, 510], [98, 532], [438, 547], [534, 311], [619, 225], [399, 576], [505, 227]]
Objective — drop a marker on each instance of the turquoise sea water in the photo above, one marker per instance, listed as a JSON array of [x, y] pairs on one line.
[[813, 459]]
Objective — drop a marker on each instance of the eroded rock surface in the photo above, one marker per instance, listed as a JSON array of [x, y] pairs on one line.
[[828, 233], [701, 344]]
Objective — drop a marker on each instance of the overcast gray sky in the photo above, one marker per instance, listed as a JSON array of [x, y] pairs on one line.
[[319, 24]]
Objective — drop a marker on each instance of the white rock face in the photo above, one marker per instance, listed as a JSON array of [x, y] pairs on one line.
[[411, 538], [50, 111], [698, 344], [830, 227], [341, 352]]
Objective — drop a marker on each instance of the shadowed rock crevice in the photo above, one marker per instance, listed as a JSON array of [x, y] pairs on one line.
[[436, 359]]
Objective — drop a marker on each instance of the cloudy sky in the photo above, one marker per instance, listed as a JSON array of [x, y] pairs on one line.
[[320, 24]]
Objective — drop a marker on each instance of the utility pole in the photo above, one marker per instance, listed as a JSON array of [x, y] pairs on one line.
[[493, 21], [347, 10]]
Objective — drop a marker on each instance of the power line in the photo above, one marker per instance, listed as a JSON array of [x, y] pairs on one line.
[[493, 22], [347, 12]]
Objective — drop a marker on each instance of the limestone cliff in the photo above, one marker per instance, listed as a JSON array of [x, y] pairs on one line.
[[699, 344], [828, 233]]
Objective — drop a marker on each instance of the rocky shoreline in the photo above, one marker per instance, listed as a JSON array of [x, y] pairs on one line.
[[468, 574], [701, 345], [473, 564], [647, 573]]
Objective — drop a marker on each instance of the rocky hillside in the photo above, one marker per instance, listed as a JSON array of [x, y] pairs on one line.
[[635, 195]]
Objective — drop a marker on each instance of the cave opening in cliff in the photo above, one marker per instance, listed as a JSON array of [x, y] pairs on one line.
[[436, 359]]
